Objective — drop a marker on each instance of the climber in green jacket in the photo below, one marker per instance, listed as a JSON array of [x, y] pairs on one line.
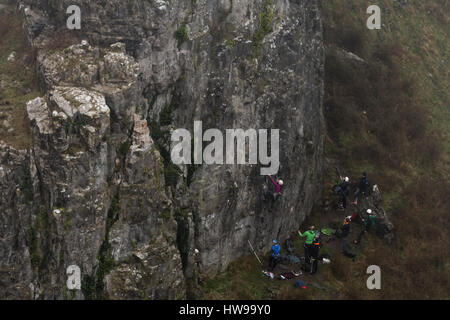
[[310, 234], [368, 224]]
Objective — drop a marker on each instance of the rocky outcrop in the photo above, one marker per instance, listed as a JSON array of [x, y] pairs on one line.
[[72, 192], [96, 188], [104, 194], [144, 237]]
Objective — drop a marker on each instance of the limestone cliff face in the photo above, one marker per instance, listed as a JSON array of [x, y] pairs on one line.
[[98, 190]]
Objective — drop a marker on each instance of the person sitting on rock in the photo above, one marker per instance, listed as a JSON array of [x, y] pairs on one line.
[[274, 191], [362, 188], [274, 255]]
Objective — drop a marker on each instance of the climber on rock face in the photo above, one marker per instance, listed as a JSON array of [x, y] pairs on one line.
[[362, 188], [310, 234], [274, 255], [274, 192]]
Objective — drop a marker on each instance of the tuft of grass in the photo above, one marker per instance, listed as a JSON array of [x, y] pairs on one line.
[[171, 174], [181, 34], [62, 39], [243, 280], [265, 18]]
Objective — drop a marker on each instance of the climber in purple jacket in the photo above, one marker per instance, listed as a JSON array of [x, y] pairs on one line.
[[274, 191]]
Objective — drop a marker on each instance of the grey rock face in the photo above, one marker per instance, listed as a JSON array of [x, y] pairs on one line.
[[105, 195], [277, 85], [15, 182], [143, 239]]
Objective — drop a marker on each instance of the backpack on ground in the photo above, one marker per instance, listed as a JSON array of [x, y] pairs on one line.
[[336, 189], [310, 266], [293, 259], [287, 275], [289, 246], [349, 254], [300, 284]]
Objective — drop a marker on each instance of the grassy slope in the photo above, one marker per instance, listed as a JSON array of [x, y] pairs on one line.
[[403, 139], [396, 126], [18, 79], [419, 31]]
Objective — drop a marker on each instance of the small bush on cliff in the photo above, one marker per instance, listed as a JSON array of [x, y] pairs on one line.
[[181, 34], [171, 175], [265, 18]]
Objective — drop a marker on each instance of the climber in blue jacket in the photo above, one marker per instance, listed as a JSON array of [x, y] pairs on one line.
[[274, 255]]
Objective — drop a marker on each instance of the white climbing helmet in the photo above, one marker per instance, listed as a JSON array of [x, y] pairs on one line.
[[346, 179], [369, 211], [280, 182]]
